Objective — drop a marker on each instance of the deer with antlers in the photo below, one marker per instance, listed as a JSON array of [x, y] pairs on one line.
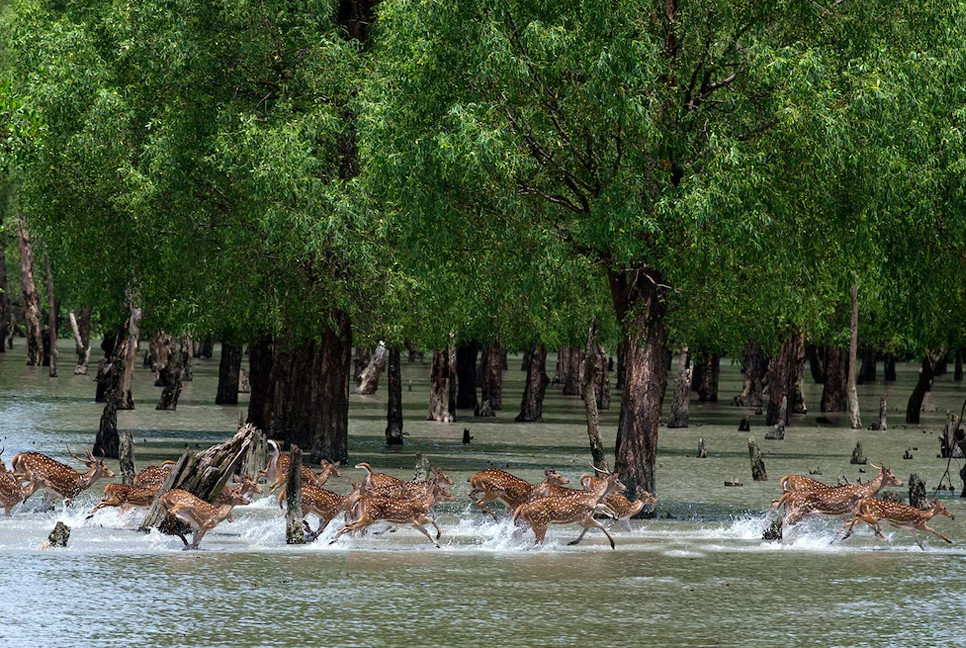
[[201, 516], [873, 510], [832, 501], [279, 463], [616, 505], [541, 513], [55, 476], [413, 511], [511, 491]]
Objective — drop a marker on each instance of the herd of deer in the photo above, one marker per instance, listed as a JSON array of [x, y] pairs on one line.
[[382, 498], [803, 497]]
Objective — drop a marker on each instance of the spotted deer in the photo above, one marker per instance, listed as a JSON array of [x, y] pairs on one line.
[[873, 510], [153, 476], [277, 470], [13, 490], [832, 501], [3, 468], [541, 513], [616, 505], [199, 514], [326, 505], [498, 485], [124, 496], [56, 477], [792, 483], [375, 480], [413, 511], [244, 485], [410, 489]]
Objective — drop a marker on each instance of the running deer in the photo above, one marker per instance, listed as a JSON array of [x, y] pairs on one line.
[[413, 511], [277, 470], [13, 491], [616, 505], [199, 514], [124, 496], [153, 476], [326, 505], [832, 501], [791, 483], [579, 509], [511, 491], [873, 510], [410, 489], [61, 479], [377, 480], [3, 469], [244, 485]]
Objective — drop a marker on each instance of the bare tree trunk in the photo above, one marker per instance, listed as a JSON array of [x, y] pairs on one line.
[[5, 311], [494, 356], [573, 381], [294, 533], [172, 374], [110, 375], [466, 376], [755, 371], [531, 407], [369, 379], [360, 361], [394, 412], [442, 395], [784, 376], [130, 354], [81, 328], [31, 304], [51, 317], [704, 379], [923, 385], [592, 366], [854, 419], [682, 392], [816, 363], [229, 371], [260, 360], [835, 389], [126, 458]]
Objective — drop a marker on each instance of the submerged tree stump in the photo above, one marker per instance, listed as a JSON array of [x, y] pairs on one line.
[[423, 469], [59, 536], [881, 425], [127, 458], [682, 392], [917, 491], [294, 533], [757, 463], [204, 474], [702, 449], [777, 433], [369, 379], [858, 457]]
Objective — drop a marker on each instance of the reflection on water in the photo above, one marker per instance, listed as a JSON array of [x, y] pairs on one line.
[[699, 575]]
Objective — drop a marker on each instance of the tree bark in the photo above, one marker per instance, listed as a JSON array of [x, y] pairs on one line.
[[867, 371], [442, 386], [394, 412], [130, 350], [172, 374], [640, 303], [369, 379], [705, 374], [31, 304], [682, 392], [260, 360], [126, 458], [592, 361], [958, 371], [5, 310], [855, 420], [531, 407], [835, 389], [924, 384], [294, 533], [51, 318], [573, 379], [81, 328], [360, 360], [816, 363], [889, 367], [466, 376], [494, 357], [784, 376], [229, 371], [110, 376], [754, 372], [308, 400]]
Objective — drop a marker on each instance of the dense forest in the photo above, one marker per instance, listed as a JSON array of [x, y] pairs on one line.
[[304, 180]]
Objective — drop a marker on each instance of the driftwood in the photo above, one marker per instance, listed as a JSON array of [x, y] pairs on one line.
[[204, 474], [294, 533]]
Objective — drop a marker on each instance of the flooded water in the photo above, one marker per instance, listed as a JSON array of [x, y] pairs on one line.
[[698, 575]]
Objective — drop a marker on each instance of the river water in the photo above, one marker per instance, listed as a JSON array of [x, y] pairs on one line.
[[698, 575]]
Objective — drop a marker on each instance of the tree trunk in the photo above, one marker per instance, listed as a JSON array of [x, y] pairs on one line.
[[682, 392], [573, 380], [110, 376], [308, 400], [754, 372], [889, 367], [229, 371], [640, 304], [784, 375], [130, 355], [867, 372], [81, 328], [360, 361], [204, 349], [5, 310], [494, 357], [958, 371], [394, 412], [205, 474], [562, 369], [442, 386], [260, 360], [926, 374], [294, 533], [853, 398], [51, 317], [816, 363], [369, 379], [172, 374], [835, 389], [705, 372], [126, 458], [31, 304], [466, 376], [535, 387], [593, 366]]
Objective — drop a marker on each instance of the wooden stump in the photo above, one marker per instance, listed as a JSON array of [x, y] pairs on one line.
[[126, 457], [777, 433], [423, 469], [757, 463], [917, 491], [59, 536], [858, 457], [294, 533]]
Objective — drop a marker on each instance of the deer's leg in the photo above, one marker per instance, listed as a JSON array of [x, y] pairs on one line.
[[926, 527], [540, 532], [421, 529], [850, 524], [487, 497]]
